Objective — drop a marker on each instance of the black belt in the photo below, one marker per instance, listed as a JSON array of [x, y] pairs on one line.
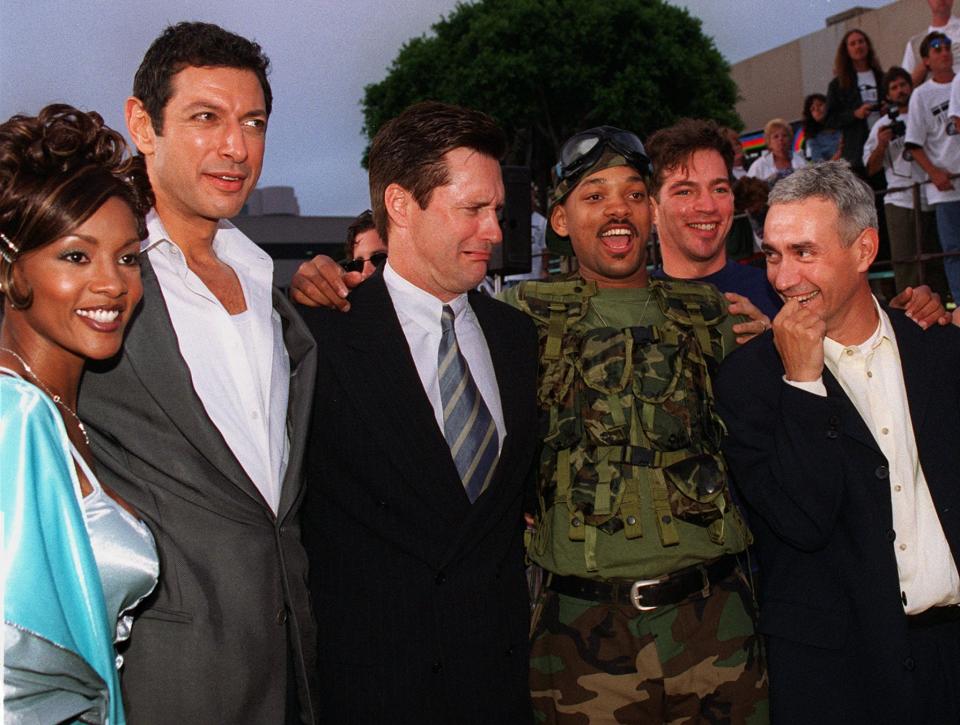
[[647, 594]]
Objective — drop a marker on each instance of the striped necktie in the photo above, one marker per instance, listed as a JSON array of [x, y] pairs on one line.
[[467, 423]]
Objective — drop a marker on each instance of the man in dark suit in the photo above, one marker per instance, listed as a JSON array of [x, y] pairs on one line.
[[842, 437], [201, 422], [413, 518]]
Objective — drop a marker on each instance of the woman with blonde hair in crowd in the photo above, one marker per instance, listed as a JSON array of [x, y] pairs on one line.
[[778, 160], [77, 558]]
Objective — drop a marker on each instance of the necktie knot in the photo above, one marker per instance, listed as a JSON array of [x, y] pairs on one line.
[[446, 320]]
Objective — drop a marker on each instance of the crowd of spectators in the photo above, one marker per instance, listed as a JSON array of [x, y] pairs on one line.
[[907, 158]]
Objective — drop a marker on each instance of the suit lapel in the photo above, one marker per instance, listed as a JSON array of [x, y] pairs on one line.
[[154, 354], [501, 353], [380, 377], [303, 370], [916, 367], [852, 423]]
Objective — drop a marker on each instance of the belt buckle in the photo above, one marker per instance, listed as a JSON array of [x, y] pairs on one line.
[[635, 593]]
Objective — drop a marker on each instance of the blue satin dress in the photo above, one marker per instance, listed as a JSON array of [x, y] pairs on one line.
[[74, 566]]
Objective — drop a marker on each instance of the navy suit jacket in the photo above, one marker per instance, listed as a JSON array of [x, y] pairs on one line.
[[818, 491], [420, 596]]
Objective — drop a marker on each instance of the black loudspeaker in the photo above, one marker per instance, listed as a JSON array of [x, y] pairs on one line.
[[513, 256]]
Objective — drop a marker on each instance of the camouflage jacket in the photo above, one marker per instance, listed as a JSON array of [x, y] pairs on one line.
[[631, 436]]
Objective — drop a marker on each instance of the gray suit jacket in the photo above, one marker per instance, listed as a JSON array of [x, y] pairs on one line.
[[213, 643]]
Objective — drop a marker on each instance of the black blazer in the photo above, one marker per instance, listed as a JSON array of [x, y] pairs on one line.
[[213, 642], [818, 490], [420, 596]]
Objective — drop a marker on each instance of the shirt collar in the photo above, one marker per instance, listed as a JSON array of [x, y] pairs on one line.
[[419, 304], [230, 244], [834, 352]]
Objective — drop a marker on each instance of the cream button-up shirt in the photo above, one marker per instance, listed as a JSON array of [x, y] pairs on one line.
[[872, 377]]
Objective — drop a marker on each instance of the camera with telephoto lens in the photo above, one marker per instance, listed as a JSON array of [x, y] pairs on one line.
[[897, 127]]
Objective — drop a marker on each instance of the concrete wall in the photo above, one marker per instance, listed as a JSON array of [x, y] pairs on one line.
[[775, 83]]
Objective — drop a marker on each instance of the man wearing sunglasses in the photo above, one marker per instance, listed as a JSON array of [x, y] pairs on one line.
[[941, 21], [935, 144], [645, 616], [365, 250]]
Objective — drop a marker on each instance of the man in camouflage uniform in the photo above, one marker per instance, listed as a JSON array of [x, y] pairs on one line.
[[646, 616]]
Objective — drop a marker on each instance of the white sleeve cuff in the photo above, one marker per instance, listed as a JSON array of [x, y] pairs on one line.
[[813, 386]]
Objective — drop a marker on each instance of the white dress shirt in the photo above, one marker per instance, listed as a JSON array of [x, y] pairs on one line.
[[238, 363], [872, 377], [419, 313]]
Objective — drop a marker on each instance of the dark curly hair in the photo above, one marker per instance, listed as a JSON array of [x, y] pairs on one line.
[[56, 170], [672, 148], [363, 223], [811, 126], [194, 45]]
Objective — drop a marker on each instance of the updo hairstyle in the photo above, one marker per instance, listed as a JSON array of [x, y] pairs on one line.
[[56, 170]]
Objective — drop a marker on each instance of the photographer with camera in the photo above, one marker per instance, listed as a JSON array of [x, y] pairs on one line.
[[885, 150], [935, 144]]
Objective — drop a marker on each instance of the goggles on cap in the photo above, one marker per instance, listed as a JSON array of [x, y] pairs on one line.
[[583, 150]]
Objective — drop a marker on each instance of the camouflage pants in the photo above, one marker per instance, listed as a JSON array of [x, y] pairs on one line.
[[695, 662]]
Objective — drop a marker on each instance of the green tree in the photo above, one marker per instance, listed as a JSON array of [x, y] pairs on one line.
[[545, 69]]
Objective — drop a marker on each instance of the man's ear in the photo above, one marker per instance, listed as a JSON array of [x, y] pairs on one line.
[[867, 245], [654, 210], [558, 220], [398, 202], [140, 126]]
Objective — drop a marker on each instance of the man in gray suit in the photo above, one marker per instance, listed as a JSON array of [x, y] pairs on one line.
[[201, 422]]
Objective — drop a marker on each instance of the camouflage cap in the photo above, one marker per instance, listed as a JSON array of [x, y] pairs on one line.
[[609, 159]]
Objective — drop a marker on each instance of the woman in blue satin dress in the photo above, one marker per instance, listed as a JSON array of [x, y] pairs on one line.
[[77, 558]]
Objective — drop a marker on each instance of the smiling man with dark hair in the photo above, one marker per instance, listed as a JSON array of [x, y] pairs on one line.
[[201, 422]]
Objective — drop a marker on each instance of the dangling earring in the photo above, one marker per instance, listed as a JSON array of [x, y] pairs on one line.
[[9, 251]]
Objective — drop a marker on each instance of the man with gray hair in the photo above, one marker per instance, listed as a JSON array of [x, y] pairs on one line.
[[842, 423]]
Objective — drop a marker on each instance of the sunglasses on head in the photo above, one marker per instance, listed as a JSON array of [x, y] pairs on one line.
[[938, 43], [356, 265], [584, 149]]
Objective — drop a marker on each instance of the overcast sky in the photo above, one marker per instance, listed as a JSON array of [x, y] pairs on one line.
[[323, 53]]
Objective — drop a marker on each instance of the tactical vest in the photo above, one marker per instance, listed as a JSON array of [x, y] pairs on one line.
[[627, 415]]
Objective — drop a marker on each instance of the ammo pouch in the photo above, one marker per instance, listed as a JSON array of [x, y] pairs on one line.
[[627, 415]]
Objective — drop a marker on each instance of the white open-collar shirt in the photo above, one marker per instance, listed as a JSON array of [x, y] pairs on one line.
[[238, 363]]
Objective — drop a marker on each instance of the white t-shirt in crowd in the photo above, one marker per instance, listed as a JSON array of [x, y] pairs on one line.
[[766, 169], [898, 165], [911, 54], [930, 127], [954, 111], [867, 85]]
